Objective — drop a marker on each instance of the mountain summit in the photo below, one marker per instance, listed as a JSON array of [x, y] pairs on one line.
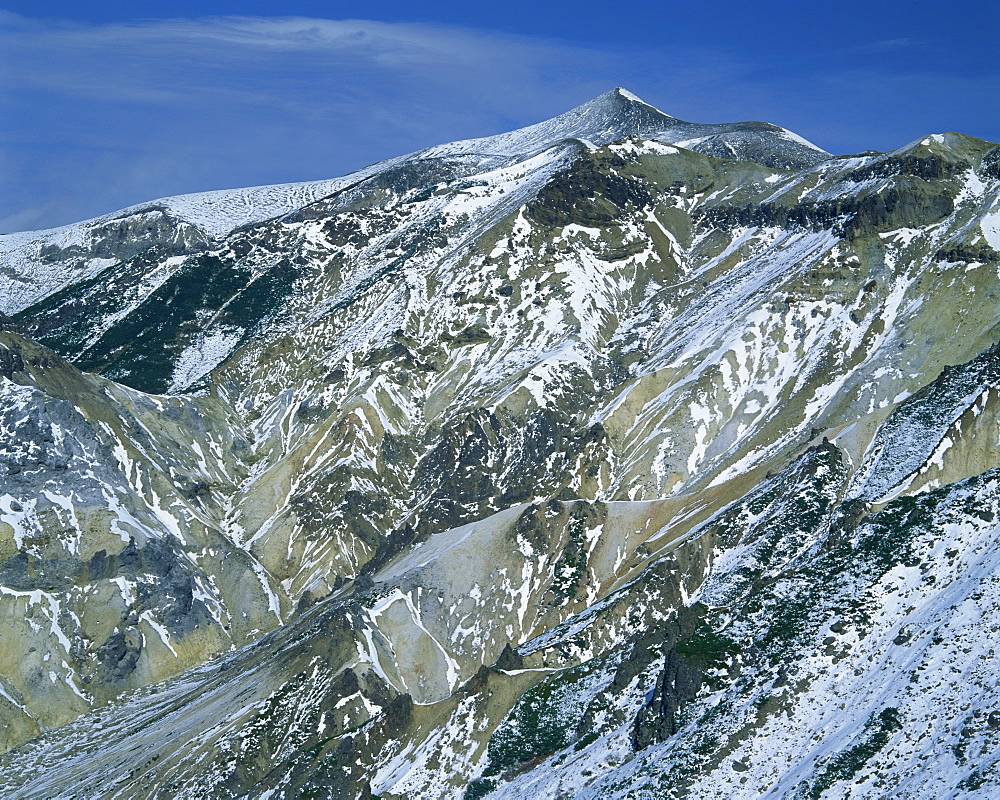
[[617, 456], [619, 114], [610, 117]]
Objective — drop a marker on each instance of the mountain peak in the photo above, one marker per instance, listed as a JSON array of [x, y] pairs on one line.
[[624, 113], [621, 100], [625, 93], [612, 116], [619, 114]]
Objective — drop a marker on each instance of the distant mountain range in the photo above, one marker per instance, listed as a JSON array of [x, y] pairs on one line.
[[617, 456]]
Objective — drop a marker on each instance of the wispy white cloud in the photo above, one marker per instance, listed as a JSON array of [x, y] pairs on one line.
[[255, 58]]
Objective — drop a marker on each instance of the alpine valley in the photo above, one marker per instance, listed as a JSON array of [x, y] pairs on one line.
[[617, 456]]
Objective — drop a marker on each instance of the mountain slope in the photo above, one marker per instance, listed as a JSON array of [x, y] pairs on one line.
[[578, 459]]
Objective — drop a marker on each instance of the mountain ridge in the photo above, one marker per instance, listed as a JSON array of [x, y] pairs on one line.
[[211, 216]]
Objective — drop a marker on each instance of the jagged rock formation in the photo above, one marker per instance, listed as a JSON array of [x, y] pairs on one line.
[[616, 456]]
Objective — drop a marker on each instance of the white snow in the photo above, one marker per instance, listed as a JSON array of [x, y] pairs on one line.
[[990, 225], [202, 356]]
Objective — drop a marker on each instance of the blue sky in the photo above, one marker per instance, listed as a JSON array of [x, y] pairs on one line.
[[101, 107]]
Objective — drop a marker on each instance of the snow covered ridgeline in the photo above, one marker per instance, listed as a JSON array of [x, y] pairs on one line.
[[41, 262]]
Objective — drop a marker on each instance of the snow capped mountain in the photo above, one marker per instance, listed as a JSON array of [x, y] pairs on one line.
[[39, 262], [613, 456]]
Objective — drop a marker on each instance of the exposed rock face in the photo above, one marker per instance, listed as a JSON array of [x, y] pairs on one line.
[[616, 456]]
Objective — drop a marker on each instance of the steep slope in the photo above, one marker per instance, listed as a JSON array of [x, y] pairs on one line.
[[577, 459]]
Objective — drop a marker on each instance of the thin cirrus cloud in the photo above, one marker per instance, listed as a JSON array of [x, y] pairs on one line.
[[97, 117]]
